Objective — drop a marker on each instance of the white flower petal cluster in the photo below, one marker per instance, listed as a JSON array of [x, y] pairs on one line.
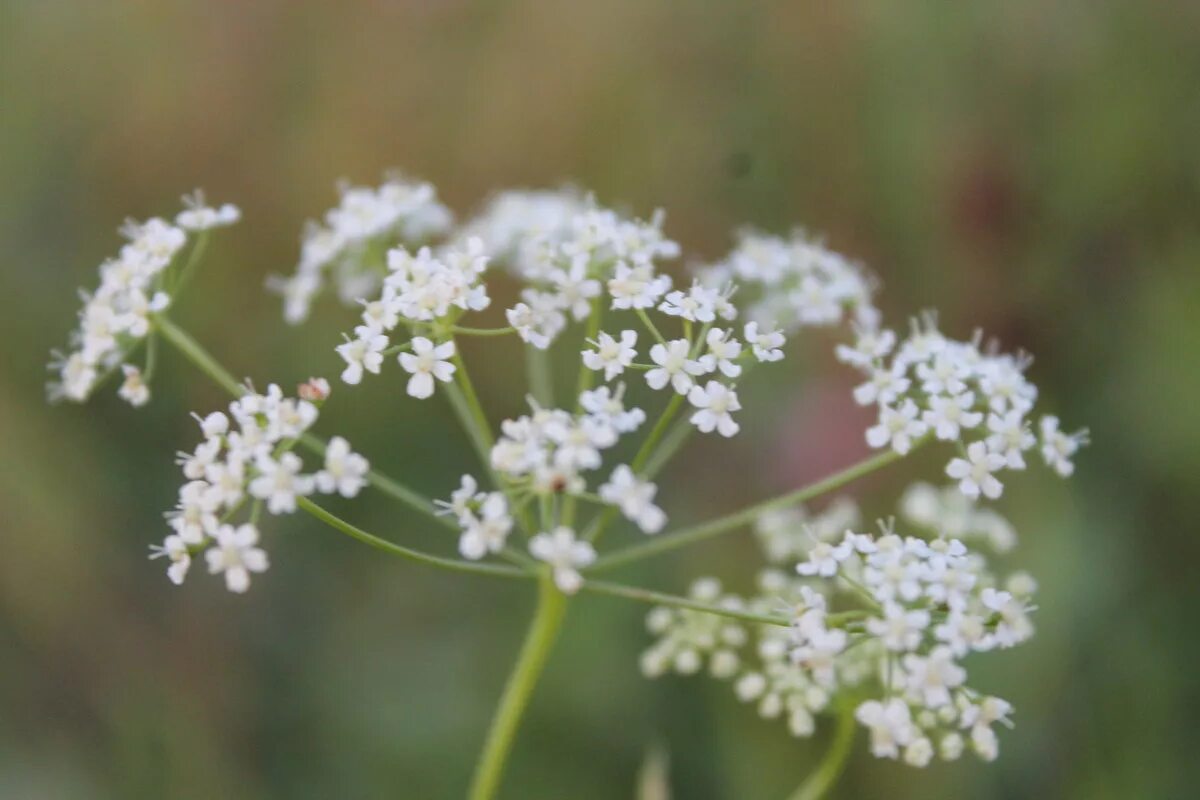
[[635, 498], [550, 447], [795, 282], [347, 246], [688, 639], [565, 554], [483, 517], [912, 610], [246, 456], [134, 286], [954, 391], [517, 226], [418, 290]]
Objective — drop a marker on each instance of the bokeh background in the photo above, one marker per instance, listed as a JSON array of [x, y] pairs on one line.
[[1028, 167]]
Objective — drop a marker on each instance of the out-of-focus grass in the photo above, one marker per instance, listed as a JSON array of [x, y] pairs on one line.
[[1030, 168]]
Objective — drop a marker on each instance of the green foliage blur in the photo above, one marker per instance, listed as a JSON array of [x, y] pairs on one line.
[[1028, 167]]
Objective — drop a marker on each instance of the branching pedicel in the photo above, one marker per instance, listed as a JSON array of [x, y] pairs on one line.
[[860, 625]]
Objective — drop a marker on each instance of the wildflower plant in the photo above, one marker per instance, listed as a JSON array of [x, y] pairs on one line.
[[868, 625]]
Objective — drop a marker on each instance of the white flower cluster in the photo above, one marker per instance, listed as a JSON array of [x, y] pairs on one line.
[[247, 455], [913, 609], [568, 268], [348, 246], [947, 513], [954, 391], [517, 226], [418, 291], [795, 282], [134, 286]]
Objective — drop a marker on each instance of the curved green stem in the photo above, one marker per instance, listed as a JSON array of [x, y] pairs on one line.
[[735, 520], [547, 620], [455, 565], [831, 767], [537, 367], [658, 598]]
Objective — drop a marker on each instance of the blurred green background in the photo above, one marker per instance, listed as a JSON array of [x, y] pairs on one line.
[[1029, 167]]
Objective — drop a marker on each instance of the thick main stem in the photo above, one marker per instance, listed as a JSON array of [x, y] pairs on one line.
[[547, 620], [830, 769]]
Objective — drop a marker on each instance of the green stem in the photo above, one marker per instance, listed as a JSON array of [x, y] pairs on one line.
[[198, 356], [658, 598], [494, 570], [587, 376], [737, 519], [482, 331], [830, 769], [603, 519], [537, 365], [547, 620], [650, 326]]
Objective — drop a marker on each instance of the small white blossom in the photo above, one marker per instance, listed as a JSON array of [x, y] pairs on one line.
[[426, 362], [237, 555], [635, 498], [279, 482], [175, 550], [487, 532], [566, 554], [765, 344], [947, 416], [611, 355], [723, 351], [715, 403], [363, 353], [133, 390], [675, 366], [345, 471], [974, 473], [898, 426], [1058, 447]]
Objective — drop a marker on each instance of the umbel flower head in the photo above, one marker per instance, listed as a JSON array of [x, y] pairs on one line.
[[876, 627]]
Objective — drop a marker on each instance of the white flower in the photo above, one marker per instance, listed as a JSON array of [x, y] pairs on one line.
[[488, 532], [897, 426], [1010, 437], [176, 551], [716, 403], [948, 415], [606, 406], [1059, 447], [227, 481], [195, 515], [215, 424], [723, 352], [931, 678], [884, 386], [575, 289], [870, 347], [674, 366], [635, 498], [765, 344], [427, 362], [199, 216], [363, 353], [537, 320], [890, 724], [133, 390], [279, 482], [461, 499], [900, 629], [698, 304], [611, 355], [636, 286], [823, 559], [946, 374], [237, 555], [345, 471], [974, 473], [562, 551]]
